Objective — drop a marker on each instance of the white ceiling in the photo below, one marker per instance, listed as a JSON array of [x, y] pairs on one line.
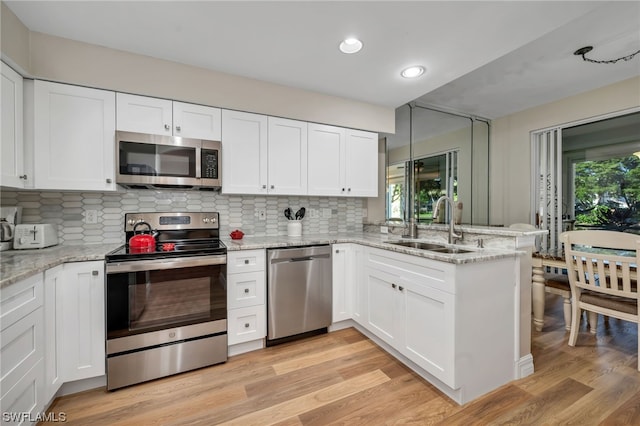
[[484, 58]]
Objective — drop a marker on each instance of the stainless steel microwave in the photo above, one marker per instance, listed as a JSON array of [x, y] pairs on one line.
[[154, 161]]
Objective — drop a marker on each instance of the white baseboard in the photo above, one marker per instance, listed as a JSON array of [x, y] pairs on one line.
[[524, 366]]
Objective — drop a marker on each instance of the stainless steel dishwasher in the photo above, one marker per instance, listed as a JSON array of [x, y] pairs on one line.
[[298, 292]]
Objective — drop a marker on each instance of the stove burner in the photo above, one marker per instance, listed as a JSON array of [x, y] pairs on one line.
[[177, 235]]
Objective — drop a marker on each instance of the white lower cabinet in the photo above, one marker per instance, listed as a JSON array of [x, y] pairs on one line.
[[22, 361], [53, 280], [246, 287], [82, 320], [455, 322], [347, 281]]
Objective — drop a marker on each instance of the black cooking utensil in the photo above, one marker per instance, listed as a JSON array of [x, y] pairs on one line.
[[287, 213], [300, 213]]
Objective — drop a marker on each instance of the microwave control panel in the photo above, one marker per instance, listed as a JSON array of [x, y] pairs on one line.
[[209, 164]]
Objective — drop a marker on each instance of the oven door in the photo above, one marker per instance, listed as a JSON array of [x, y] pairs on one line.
[[157, 160], [147, 296]]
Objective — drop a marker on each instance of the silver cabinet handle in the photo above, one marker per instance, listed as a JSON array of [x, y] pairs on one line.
[[393, 286], [246, 325], [264, 186], [178, 128], [349, 189], [342, 189], [246, 261], [23, 177], [246, 291], [337, 251], [400, 288], [167, 127], [272, 187], [94, 273], [109, 180]]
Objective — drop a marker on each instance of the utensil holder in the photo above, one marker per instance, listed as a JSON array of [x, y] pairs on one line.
[[294, 228]]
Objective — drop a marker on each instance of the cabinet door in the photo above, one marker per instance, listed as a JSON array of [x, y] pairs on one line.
[[244, 153], [427, 325], [83, 323], [12, 142], [381, 305], [53, 281], [143, 114], [361, 164], [196, 121], [326, 160], [342, 270], [74, 137], [287, 153]]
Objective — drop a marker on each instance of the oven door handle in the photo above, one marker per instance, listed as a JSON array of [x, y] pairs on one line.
[[159, 264]]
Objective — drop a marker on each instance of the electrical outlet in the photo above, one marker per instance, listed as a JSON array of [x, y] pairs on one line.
[[91, 216], [326, 213], [262, 215], [314, 214], [384, 229]]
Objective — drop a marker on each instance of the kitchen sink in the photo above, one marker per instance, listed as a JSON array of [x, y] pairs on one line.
[[439, 248], [418, 245], [451, 250]]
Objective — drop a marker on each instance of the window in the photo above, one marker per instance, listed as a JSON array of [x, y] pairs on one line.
[[587, 176]]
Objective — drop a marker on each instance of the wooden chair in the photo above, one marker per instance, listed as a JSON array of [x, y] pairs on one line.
[[602, 267]]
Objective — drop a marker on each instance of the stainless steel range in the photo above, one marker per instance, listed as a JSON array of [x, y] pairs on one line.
[[166, 306]]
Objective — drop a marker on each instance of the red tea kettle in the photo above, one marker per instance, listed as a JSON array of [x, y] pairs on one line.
[[145, 242]]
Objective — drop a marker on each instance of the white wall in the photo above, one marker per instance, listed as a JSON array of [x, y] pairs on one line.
[[510, 179], [53, 58]]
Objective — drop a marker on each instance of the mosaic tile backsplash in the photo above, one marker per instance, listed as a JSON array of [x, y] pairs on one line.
[[73, 212]]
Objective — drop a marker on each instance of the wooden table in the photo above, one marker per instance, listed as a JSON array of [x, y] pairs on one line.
[[540, 261]]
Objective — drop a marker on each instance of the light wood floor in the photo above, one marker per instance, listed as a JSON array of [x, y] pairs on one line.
[[344, 378]]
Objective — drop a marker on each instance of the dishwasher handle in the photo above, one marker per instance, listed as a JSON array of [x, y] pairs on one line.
[[301, 259]]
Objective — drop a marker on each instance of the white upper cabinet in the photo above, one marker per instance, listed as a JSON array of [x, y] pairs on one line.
[[196, 121], [143, 114], [13, 172], [263, 155], [287, 157], [74, 137], [361, 164], [156, 116], [244, 153], [342, 162], [326, 165]]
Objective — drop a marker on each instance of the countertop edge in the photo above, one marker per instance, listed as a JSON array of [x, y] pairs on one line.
[[17, 265]]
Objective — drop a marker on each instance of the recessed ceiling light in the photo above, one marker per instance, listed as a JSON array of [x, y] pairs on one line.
[[350, 45], [412, 72]]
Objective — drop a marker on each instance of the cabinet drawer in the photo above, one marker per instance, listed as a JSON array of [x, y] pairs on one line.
[[25, 399], [247, 324], [245, 261], [19, 299], [246, 289], [21, 348]]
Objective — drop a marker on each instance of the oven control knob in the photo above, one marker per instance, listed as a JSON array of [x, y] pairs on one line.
[[205, 219]]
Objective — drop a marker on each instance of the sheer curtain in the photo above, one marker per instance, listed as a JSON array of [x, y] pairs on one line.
[[546, 197]]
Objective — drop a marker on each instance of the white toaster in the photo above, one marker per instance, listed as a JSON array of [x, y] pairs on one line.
[[35, 235]]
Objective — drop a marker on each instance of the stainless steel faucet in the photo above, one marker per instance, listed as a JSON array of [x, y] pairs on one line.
[[452, 234], [412, 229]]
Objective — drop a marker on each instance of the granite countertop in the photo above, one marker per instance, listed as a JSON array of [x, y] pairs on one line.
[[372, 240], [16, 265]]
